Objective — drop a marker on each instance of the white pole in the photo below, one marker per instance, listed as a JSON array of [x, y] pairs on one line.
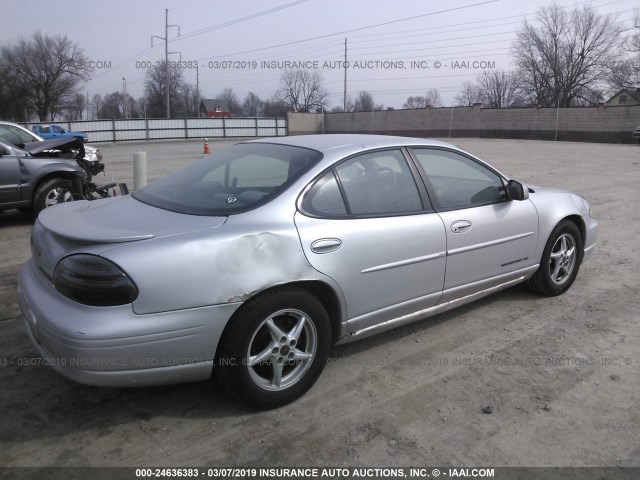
[[139, 170], [557, 115], [371, 121], [450, 120]]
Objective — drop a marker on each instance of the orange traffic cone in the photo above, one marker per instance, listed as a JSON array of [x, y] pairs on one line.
[[206, 147]]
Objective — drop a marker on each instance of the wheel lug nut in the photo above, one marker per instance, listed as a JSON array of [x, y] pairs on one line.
[[283, 340], [275, 350], [292, 343], [290, 354]]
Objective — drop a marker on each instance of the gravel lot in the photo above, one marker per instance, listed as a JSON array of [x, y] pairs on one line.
[[561, 373]]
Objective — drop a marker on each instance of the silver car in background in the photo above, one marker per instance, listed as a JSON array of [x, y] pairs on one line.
[[251, 263]]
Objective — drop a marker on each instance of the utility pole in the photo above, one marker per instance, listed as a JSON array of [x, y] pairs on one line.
[[88, 105], [166, 60], [197, 91], [125, 99], [344, 100], [166, 57]]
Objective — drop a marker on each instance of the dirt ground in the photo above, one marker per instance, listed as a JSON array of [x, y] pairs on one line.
[[562, 374]]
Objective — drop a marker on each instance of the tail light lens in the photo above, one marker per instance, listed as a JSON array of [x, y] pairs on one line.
[[93, 280]]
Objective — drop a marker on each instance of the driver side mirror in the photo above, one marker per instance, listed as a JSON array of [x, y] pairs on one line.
[[517, 190]]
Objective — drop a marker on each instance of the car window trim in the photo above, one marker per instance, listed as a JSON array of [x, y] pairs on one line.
[[425, 201], [431, 190]]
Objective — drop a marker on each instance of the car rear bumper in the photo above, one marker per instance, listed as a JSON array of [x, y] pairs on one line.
[[112, 346]]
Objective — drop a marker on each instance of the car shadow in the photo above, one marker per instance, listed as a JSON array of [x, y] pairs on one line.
[[16, 218], [45, 404]]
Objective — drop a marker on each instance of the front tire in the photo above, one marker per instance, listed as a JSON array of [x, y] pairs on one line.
[[275, 348], [52, 192], [560, 262]]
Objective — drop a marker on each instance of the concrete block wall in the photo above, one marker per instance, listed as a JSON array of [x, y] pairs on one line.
[[304, 123], [591, 124]]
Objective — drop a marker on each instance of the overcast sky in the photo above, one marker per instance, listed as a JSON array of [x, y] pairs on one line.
[[395, 48]]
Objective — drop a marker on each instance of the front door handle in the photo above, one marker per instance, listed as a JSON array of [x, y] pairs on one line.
[[326, 245]]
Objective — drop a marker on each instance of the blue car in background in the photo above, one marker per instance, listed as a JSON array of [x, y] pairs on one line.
[[49, 132]]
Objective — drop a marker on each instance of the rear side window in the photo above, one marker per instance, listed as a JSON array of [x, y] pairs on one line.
[[231, 181]]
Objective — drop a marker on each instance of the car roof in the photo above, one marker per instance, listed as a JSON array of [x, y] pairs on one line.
[[327, 143]]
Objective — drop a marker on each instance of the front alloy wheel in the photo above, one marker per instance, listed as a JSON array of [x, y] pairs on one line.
[[274, 348], [52, 192], [560, 260]]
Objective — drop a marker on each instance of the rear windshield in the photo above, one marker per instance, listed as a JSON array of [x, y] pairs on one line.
[[231, 181]]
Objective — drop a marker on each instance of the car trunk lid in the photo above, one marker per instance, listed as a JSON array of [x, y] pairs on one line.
[[101, 225], [120, 219]]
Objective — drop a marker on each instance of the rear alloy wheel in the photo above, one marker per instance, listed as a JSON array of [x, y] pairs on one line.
[[561, 260], [52, 192], [275, 348]]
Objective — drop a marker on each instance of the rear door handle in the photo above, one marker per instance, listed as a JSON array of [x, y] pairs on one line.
[[326, 245], [461, 226]]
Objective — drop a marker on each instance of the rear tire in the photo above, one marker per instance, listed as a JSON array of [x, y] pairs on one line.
[[560, 262], [275, 348]]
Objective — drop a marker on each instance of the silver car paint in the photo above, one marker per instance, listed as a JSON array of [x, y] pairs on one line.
[[376, 253], [215, 265]]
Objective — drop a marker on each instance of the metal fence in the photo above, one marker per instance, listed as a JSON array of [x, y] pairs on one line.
[[178, 128]]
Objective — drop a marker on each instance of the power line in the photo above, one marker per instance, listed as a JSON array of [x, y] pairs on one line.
[[353, 30], [240, 20]]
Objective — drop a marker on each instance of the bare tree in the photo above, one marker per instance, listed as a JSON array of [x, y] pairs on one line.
[[431, 99], [302, 90], [275, 108], [366, 103], [498, 89], [632, 42], [230, 99], [623, 74], [468, 95], [252, 105], [340, 108], [75, 107], [13, 102], [563, 56], [155, 91], [49, 69], [118, 105], [190, 101], [416, 101], [626, 71], [96, 105]]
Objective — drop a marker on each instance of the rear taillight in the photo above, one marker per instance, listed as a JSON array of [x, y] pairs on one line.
[[93, 280]]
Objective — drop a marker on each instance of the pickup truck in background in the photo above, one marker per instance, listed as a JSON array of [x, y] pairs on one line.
[[49, 132]]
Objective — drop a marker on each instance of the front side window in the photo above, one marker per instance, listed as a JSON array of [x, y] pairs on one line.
[[232, 181], [458, 181]]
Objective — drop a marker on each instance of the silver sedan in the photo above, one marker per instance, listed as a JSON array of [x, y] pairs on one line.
[[251, 263]]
